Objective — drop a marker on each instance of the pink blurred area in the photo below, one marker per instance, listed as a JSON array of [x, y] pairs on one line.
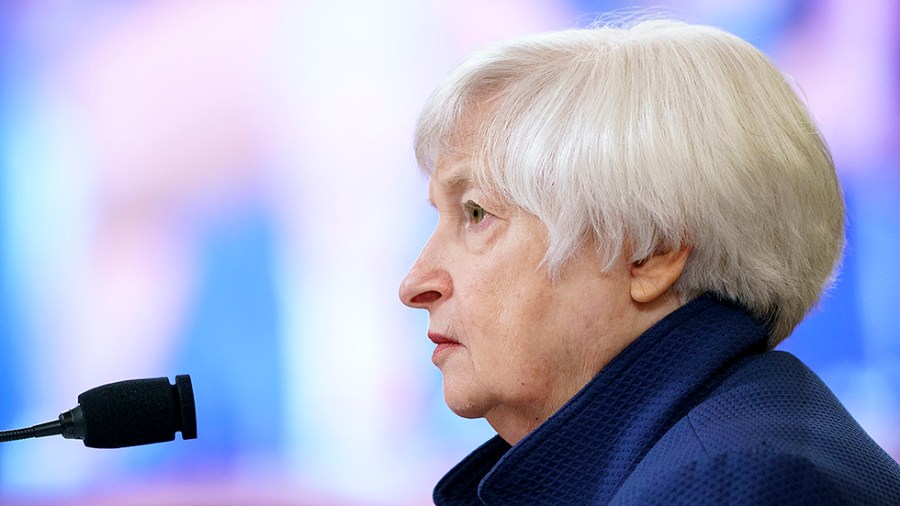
[[210, 493]]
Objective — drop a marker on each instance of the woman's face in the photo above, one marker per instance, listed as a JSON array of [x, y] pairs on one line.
[[513, 344]]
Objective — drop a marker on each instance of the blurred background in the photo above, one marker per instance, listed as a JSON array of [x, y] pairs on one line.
[[226, 189]]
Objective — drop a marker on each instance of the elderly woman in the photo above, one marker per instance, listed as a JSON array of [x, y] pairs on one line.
[[629, 221]]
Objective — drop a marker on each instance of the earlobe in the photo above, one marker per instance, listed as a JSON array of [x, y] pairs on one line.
[[652, 277]]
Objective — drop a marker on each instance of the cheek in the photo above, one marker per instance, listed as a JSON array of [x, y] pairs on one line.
[[480, 302], [481, 293], [504, 321]]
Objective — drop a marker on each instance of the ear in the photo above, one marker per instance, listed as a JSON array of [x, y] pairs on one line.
[[652, 277]]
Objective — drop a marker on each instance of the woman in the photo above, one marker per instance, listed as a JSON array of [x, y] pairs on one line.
[[630, 219]]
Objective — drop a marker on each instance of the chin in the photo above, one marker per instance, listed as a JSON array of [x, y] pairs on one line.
[[466, 411], [461, 404]]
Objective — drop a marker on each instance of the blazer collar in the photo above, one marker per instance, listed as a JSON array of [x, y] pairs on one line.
[[586, 450]]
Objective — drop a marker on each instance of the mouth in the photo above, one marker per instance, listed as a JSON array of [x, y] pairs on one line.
[[444, 345]]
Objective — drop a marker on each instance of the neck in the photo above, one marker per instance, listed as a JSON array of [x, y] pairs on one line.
[[514, 421]]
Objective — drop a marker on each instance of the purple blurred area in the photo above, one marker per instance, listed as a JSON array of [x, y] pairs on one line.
[[227, 190]]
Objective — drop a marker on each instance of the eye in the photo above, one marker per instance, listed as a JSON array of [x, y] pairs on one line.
[[474, 212]]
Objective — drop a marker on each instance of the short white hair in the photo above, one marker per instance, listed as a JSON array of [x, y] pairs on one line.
[[649, 137]]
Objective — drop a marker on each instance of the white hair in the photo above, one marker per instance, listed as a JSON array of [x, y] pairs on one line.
[[649, 138]]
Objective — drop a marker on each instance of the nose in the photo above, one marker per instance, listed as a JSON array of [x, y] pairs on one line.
[[427, 281]]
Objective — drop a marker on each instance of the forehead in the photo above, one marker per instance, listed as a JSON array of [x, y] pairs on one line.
[[453, 169]]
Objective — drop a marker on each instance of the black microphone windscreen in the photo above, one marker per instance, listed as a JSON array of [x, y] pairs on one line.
[[137, 412]]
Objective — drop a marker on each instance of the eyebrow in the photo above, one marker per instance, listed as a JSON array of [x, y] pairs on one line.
[[454, 183]]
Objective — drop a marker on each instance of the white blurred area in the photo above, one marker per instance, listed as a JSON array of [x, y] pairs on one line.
[[133, 129]]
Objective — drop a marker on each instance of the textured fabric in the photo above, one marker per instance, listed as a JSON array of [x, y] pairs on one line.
[[696, 412]]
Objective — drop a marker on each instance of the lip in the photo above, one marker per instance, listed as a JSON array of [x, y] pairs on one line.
[[444, 344], [441, 339]]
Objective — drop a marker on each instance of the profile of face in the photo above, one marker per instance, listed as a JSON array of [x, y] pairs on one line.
[[514, 343]]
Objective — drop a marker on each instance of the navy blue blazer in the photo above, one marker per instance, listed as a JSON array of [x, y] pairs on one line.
[[696, 411]]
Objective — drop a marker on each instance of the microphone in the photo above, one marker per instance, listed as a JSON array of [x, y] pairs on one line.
[[126, 413]]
